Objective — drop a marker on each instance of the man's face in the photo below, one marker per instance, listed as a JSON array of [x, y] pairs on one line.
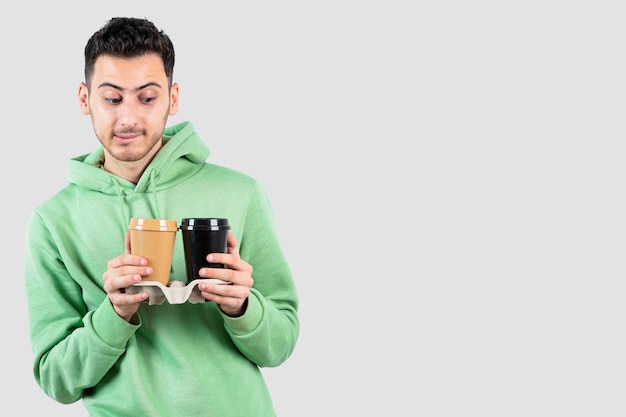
[[129, 103]]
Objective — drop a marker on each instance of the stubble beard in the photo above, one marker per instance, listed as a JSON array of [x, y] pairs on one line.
[[129, 152]]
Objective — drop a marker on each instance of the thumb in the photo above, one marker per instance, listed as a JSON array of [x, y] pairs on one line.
[[127, 243]]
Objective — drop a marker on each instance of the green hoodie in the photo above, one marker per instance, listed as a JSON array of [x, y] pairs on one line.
[[179, 359]]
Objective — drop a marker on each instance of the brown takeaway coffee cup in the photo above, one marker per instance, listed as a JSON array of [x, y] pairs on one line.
[[154, 240]]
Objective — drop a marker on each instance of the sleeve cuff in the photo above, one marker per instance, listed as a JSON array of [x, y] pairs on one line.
[[111, 328], [249, 320]]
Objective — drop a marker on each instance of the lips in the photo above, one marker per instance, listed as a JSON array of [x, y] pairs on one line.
[[125, 136]]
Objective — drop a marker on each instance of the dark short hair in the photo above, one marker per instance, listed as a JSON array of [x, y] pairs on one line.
[[128, 37]]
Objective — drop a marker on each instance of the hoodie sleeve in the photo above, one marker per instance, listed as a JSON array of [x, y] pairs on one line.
[[73, 348], [267, 333]]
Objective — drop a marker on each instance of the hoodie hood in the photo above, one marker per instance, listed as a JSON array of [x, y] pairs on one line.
[[182, 155]]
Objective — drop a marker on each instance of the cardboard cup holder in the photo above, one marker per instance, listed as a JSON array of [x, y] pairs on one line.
[[176, 292]]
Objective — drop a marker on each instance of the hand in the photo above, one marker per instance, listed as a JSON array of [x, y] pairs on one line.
[[230, 298], [122, 272]]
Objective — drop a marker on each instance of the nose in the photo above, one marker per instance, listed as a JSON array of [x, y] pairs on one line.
[[128, 113]]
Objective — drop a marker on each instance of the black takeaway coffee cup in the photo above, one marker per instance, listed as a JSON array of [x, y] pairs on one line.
[[202, 236]]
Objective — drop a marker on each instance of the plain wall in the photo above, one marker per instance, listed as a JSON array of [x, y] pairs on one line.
[[447, 177]]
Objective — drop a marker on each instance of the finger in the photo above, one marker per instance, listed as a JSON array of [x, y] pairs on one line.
[[221, 293], [115, 284], [126, 305], [124, 299], [236, 277], [127, 260], [232, 245], [229, 302], [230, 261]]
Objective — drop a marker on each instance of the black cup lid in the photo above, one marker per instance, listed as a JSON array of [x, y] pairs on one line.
[[204, 223]]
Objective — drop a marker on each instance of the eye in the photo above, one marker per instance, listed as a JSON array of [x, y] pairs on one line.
[[147, 100], [112, 100]]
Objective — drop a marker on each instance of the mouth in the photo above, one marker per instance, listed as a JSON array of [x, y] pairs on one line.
[[125, 137]]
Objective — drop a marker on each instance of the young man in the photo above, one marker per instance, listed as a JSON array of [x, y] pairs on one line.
[[94, 341]]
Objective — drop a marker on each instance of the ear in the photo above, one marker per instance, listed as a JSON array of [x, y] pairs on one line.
[[83, 98], [174, 99]]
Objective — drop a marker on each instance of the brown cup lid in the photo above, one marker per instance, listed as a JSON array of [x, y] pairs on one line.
[[162, 225]]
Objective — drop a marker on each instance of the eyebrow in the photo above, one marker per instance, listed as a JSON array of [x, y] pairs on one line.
[[117, 87]]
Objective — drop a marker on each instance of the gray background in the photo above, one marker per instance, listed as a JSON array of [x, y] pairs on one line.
[[447, 179]]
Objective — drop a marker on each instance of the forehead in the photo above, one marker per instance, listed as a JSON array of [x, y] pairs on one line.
[[129, 72]]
